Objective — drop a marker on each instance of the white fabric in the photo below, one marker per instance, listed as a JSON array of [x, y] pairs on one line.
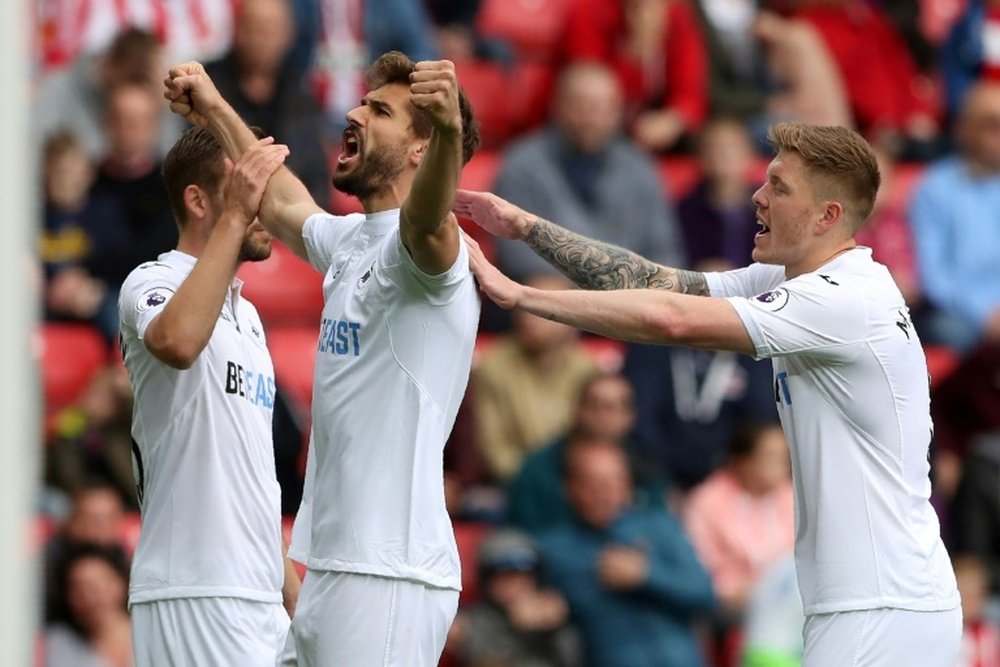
[[208, 631], [211, 517], [852, 392], [357, 620], [392, 364], [883, 638]]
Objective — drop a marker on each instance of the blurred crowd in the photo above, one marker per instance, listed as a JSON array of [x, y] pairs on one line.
[[615, 505]]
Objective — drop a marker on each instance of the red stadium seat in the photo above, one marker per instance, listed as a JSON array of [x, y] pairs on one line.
[[487, 86], [71, 354], [481, 171], [607, 353], [293, 349], [284, 288], [468, 536], [941, 361], [130, 529], [533, 28], [678, 175]]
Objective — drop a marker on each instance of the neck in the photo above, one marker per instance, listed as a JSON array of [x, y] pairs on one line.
[[390, 197], [259, 86], [819, 259]]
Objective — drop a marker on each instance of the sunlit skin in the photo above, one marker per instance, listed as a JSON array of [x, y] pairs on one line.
[[796, 223]]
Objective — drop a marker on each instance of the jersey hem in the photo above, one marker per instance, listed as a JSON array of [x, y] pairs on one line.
[[412, 574], [175, 592], [907, 604]]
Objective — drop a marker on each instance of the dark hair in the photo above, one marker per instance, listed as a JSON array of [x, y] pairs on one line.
[[59, 143], [395, 67], [840, 156], [114, 557], [134, 52], [746, 438], [196, 159]]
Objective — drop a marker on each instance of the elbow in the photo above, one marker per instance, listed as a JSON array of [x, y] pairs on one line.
[[177, 353]]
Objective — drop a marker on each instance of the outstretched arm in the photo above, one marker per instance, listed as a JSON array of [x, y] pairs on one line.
[[591, 264], [287, 202], [637, 315], [178, 334], [429, 230]]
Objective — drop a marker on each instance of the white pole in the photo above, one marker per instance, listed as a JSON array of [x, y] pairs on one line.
[[20, 437]]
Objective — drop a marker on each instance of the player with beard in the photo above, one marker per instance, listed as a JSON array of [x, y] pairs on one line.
[[395, 347], [208, 578]]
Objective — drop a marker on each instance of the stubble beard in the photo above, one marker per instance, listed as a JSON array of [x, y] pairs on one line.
[[377, 171]]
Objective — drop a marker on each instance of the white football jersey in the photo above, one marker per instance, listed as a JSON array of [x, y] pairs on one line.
[[851, 386], [204, 465], [392, 364]]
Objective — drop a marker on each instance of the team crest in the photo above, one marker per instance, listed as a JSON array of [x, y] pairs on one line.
[[773, 300], [153, 298]]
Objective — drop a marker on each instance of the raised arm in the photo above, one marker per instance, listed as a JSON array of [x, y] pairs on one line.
[[429, 230], [590, 264], [287, 202], [178, 334], [637, 315]]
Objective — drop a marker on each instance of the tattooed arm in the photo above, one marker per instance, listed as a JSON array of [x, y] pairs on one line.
[[598, 265], [589, 263]]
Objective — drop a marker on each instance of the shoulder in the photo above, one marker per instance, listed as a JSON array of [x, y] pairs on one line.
[[527, 150]]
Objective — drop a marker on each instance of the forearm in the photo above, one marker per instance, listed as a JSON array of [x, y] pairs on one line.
[[179, 334], [598, 265], [291, 587], [435, 182]]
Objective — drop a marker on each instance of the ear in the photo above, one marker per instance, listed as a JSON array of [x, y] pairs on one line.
[[833, 214], [418, 152], [196, 202]]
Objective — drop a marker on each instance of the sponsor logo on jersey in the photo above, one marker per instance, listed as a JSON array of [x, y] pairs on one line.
[[340, 337], [774, 300], [255, 387], [152, 298]]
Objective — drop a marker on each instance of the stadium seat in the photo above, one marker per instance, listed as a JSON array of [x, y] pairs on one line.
[[293, 349], [481, 171], [130, 530], [468, 536], [607, 353], [487, 86], [533, 28], [678, 175], [71, 354], [284, 288]]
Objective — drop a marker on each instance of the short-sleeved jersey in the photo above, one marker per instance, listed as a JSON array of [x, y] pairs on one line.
[[204, 461], [851, 386], [392, 364]]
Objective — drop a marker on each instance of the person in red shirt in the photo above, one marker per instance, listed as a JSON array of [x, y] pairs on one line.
[[657, 50]]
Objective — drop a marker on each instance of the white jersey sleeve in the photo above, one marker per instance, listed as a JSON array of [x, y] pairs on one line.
[[437, 289], [806, 316], [323, 234], [144, 294], [747, 281]]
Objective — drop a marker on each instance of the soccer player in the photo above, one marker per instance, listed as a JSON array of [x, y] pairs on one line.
[[207, 577], [850, 383], [395, 347]]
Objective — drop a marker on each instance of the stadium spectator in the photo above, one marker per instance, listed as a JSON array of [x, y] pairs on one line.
[[582, 171], [894, 105], [604, 413], [634, 585], [255, 76], [740, 519], [74, 99], [969, 55], [515, 622], [93, 629], [656, 49], [96, 517], [457, 37], [524, 387], [957, 245], [717, 218], [92, 439]]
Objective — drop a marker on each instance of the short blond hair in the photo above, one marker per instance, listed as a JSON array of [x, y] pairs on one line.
[[844, 162]]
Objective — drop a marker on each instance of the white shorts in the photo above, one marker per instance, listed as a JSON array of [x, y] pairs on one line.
[[198, 632], [357, 620], [883, 638]]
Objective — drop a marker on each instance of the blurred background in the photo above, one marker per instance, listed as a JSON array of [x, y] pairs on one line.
[[640, 122]]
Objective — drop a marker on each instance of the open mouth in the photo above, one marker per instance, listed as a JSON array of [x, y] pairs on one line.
[[350, 146], [764, 228]]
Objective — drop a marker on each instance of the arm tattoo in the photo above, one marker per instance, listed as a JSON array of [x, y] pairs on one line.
[[602, 266]]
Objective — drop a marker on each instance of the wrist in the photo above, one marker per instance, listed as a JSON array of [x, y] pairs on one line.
[[525, 223]]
